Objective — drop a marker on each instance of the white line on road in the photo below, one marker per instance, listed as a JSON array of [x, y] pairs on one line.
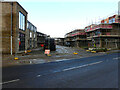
[[59, 60], [39, 75], [56, 71], [10, 81], [82, 66], [62, 60], [95, 63], [116, 58]]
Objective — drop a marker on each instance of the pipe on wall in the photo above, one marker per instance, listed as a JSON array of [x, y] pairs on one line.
[[11, 26]]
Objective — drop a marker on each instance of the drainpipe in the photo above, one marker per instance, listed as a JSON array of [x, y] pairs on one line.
[[11, 25], [119, 8], [118, 18]]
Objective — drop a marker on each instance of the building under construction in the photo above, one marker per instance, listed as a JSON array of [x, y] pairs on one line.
[[59, 41], [76, 38], [103, 35], [106, 34]]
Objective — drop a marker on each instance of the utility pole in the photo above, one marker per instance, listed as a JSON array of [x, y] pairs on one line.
[[11, 25]]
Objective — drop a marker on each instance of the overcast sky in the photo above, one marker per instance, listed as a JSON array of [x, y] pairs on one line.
[[58, 17]]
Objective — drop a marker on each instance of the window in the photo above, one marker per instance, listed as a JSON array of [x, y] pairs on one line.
[[113, 20], [110, 21], [21, 21], [22, 42], [30, 34], [27, 25], [35, 29], [34, 35], [31, 28]]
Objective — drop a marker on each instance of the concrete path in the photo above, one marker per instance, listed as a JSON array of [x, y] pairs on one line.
[[37, 56]]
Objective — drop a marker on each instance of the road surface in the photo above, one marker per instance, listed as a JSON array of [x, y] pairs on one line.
[[91, 72]]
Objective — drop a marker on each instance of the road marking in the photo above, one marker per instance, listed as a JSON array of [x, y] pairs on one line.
[[56, 71], [62, 60], [69, 69], [95, 63], [65, 59], [39, 75], [81, 66], [10, 81], [116, 58]]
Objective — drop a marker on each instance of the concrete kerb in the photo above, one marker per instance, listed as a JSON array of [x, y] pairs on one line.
[[40, 61], [29, 59]]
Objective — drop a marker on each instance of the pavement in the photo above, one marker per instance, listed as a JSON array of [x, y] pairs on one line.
[[37, 56], [89, 72]]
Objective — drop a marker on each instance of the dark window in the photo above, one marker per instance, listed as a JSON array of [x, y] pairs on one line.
[[30, 43], [22, 41]]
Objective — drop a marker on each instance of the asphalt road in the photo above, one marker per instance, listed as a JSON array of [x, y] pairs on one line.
[[92, 72]]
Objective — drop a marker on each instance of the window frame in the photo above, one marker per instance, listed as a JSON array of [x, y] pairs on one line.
[[22, 20]]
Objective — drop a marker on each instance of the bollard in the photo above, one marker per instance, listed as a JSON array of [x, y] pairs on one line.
[[93, 51], [87, 50], [49, 55], [75, 53], [16, 58]]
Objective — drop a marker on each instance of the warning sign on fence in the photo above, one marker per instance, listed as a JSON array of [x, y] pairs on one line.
[[47, 51]]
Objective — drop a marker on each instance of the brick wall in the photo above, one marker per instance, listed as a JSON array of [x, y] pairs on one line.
[[6, 26]]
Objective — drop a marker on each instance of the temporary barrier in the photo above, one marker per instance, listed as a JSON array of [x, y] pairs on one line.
[[47, 51]]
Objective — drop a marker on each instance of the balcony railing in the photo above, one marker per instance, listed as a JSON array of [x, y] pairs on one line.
[[78, 34], [104, 34], [68, 39], [101, 26]]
